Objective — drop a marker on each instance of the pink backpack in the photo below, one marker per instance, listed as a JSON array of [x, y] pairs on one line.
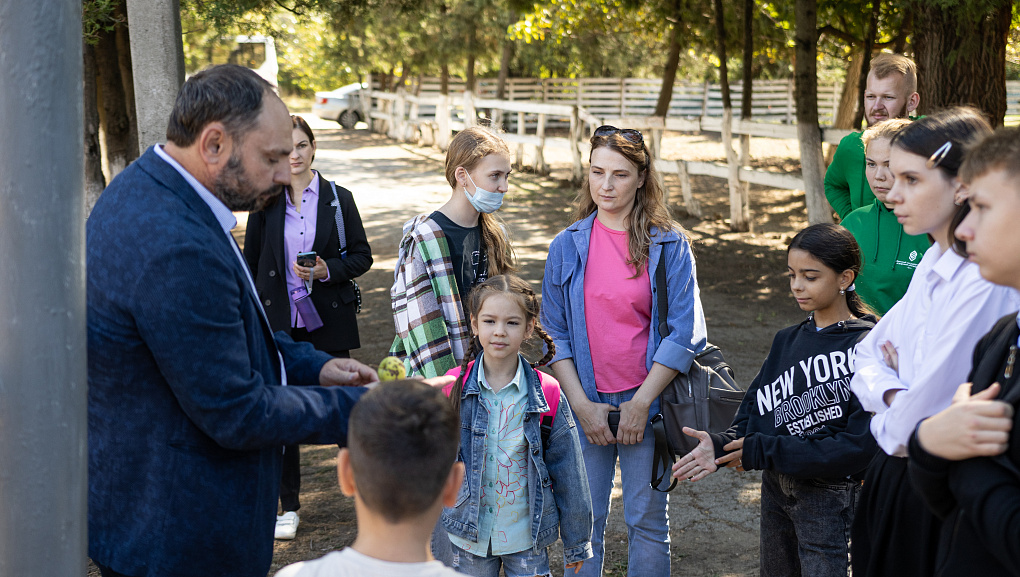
[[550, 388]]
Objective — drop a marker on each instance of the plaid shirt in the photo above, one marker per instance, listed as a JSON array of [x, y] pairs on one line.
[[432, 330]]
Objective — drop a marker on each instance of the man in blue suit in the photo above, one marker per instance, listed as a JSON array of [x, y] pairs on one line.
[[191, 396]]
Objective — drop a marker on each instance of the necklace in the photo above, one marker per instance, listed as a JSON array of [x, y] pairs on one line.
[[811, 315]]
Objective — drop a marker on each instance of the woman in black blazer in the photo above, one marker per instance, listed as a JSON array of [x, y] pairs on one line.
[[274, 235]]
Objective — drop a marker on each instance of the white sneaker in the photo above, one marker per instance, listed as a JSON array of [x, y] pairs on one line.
[[286, 525]]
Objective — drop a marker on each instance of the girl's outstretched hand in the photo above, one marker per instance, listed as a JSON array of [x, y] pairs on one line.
[[700, 462], [576, 565], [734, 456]]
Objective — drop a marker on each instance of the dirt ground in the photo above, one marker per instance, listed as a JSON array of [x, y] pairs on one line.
[[714, 522]]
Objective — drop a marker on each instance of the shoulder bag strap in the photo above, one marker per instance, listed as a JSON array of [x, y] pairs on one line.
[[660, 288], [664, 457], [341, 233]]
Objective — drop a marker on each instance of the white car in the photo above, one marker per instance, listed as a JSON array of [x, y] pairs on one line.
[[340, 105]]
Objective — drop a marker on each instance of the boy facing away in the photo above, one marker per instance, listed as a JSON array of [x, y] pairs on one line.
[[400, 468]]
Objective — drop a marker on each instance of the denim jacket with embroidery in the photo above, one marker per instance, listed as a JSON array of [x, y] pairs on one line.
[[558, 495]]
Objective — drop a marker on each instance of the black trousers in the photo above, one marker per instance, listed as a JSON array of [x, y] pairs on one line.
[[290, 476], [894, 534]]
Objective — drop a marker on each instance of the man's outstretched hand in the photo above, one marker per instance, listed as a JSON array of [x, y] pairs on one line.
[[346, 373]]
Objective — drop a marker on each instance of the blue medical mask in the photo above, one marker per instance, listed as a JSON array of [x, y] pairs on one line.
[[483, 200]]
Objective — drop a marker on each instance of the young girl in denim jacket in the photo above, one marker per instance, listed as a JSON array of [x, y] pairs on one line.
[[799, 423], [525, 484]]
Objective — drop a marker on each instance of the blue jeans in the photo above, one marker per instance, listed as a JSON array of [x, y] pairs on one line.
[[525, 563], [805, 525], [644, 510]]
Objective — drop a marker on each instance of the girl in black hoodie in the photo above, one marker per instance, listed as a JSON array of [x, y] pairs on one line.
[[799, 423]]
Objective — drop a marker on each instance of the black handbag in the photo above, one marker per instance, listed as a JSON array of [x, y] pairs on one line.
[[705, 398]]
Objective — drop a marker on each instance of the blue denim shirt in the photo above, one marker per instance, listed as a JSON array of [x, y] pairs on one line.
[[563, 303], [558, 497]]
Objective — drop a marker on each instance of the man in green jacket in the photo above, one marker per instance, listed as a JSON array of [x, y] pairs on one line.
[[891, 92]]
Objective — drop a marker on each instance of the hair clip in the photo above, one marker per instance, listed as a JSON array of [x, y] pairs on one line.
[[939, 155]]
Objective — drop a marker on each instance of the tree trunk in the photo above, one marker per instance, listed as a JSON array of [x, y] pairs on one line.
[[127, 78], [115, 121], [847, 100], [806, 94], [672, 60], [961, 57], [745, 98], [906, 27], [746, 102], [444, 79], [869, 47], [469, 73], [94, 180], [739, 219], [505, 57]]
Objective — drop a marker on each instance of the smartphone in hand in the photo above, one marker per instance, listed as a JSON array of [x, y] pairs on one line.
[[306, 259]]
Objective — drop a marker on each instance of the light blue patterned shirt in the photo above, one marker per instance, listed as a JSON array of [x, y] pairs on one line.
[[503, 518]]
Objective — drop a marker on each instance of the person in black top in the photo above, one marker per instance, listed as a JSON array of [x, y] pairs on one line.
[[799, 422], [965, 460], [308, 217]]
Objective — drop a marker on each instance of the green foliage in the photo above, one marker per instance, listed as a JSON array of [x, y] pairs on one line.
[[98, 16]]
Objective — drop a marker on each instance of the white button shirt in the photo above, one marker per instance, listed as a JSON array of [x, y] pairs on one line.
[[948, 307]]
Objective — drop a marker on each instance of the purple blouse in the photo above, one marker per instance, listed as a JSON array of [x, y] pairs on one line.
[[298, 236]]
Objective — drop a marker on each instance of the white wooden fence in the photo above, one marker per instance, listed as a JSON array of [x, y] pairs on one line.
[[772, 100], [581, 105], [399, 116]]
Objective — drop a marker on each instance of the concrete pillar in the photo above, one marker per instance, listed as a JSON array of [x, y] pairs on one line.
[[157, 61], [43, 415]]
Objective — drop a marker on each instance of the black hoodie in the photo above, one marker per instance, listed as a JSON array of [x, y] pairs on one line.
[[799, 416]]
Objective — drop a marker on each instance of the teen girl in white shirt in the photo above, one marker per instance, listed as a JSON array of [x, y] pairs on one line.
[[910, 364]]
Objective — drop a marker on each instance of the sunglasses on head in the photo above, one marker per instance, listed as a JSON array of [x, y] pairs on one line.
[[629, 133]]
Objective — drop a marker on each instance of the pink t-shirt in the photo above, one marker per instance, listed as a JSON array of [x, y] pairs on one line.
[[617, 310]]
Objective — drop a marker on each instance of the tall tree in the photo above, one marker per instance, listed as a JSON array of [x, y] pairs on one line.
[[806, 95], [114, 112], [672, 60], [960, 49], [747, 86], [95, 182], [862, 77], [740, 219]]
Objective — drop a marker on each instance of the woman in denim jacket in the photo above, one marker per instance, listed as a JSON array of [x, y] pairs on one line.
[[598, 304], [524, 483]]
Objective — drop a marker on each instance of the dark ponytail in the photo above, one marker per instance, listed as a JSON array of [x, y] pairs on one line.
[[960, 128], [838, 250]]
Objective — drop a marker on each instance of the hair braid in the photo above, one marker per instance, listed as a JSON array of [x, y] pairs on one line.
[[458, 385], [549, 345]]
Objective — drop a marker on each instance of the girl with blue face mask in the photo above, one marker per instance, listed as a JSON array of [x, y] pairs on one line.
[[444, 253]]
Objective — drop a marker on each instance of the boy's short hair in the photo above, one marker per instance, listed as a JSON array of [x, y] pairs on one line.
[[998, 151], [402, 438], [885, 64], [884, 129]]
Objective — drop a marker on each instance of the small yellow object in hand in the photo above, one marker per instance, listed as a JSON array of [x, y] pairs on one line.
[[391, 369]]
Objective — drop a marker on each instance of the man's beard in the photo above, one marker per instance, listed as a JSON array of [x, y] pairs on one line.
[[235, 190]]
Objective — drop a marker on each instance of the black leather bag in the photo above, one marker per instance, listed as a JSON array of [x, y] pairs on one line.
[[705, 398]]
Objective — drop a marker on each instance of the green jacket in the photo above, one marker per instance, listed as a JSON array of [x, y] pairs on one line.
[[846, 186], [888, 255]]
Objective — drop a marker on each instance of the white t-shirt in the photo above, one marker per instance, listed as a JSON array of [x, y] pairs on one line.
[[350, 563]]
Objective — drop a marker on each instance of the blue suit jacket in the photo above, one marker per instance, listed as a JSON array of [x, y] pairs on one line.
[[186, 412]]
